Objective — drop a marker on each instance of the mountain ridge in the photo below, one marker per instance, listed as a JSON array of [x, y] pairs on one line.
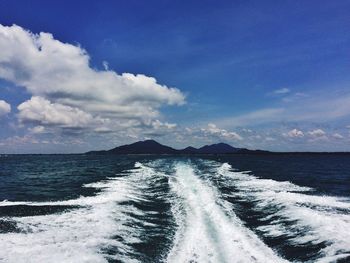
[[154, 147]]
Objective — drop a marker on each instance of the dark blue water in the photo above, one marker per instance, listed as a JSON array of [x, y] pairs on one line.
[[238, 208]]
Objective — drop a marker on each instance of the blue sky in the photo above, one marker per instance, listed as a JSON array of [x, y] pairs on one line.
[[257, 74]]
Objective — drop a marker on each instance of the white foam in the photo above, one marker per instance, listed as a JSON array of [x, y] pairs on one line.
[[207, 232], [83, 234], [309, 218], [207, 229]]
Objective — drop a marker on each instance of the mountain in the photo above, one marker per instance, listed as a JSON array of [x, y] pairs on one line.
[[153, 147], [189, 150], [247, 151], [143, 147], [218, 148]]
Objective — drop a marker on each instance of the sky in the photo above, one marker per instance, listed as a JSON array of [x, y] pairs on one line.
[[88, 75]]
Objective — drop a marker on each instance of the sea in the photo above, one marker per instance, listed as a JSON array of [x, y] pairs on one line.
[[149, 208]]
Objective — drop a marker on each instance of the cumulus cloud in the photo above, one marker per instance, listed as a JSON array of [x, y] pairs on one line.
[[157, 128], [41, 111], [213, 130], [67, 91], [317, 133], [294, 134], [157, 124], [5, 108]]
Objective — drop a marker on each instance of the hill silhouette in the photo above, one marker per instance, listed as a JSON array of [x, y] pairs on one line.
[[153, 147]]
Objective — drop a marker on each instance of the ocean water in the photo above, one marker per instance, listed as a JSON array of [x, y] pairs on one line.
[[240, 208]]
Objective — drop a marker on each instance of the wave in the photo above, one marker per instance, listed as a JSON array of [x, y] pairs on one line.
[[103, 227], [179, 211], [207, 231], [296, 213]]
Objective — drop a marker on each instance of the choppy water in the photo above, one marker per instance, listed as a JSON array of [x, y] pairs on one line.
[[76, 208]]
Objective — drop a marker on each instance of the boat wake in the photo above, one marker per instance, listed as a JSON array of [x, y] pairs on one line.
[[99, 228], [176, 211], [208, 231], [294, 215]]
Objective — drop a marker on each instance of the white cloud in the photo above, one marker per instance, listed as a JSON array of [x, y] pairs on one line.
[[247, 130], [294, 134], [154, 128], [321, 108], [157, 124], [37, 129], [212, 129], [105, 65], [41, 111], [317, 133], [18, 140], [103, 130], [282, 91], [5, 108], [337, 136], [59, 76]]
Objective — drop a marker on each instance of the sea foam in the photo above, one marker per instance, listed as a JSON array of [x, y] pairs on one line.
[[297, 213], [86, 233], [207, 232]]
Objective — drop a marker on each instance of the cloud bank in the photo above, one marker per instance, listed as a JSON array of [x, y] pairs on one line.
[[213, 130], [68, 92]]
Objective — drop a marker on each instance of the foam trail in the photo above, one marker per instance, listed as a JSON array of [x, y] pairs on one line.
[[292, 211], [207, 232], [84, 234]]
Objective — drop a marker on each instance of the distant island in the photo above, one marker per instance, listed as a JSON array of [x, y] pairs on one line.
[[153, 147]]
